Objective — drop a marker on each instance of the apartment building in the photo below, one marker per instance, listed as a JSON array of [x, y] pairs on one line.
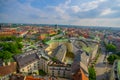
[[27, 62]]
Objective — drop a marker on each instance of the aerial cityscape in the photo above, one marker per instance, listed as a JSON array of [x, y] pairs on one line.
[[59, 40]]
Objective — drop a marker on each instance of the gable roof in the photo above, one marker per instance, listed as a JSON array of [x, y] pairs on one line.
[[78, 64]]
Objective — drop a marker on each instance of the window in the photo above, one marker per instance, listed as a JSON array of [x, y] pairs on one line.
[[65, 68], [28, 70], [52, 72], [64, 73], [59, 68], [58, 72], [28, 67]]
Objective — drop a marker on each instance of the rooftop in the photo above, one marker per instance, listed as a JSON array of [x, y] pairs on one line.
[[79, 75], [24, 59], [76, 64], [7, 69], [32, 78], [60, 52], [17, 77], [79, 63]]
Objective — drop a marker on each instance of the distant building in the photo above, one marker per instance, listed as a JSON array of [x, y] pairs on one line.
[[22, 33], [5, 26]]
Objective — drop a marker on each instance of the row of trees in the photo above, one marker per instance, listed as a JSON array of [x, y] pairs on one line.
[[10, 38], [92, 73], [112, 57]]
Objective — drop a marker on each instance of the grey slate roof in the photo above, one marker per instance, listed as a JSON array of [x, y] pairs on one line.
[[60, 52], [78, 64], [23, 59]]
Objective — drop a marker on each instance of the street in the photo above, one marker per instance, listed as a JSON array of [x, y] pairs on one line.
[[102, 67]]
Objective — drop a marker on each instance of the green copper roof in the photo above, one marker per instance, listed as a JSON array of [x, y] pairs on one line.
[[60, 40]]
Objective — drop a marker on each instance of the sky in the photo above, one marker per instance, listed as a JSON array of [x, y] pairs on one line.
[[70, 12]]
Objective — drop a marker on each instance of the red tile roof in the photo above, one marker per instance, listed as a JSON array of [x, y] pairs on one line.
[[32, 78], [80, 76], [7, 69]]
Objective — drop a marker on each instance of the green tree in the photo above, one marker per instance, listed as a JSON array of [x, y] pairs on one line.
[[1, 55], [19, 39], [111, 47], [13, 47], [10, 46], [7, 55], [112, 58], [42, 73], [19, 45], [118, 54], [92, 73], [5, 46]]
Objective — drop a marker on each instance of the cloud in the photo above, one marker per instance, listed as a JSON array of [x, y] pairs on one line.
[[61, 9], [107, 12], [114, 22], [66, 10], [87, 6], [118, 5], [67, 2], [75, 8], [20, 12], [91, 5], [81, 12]]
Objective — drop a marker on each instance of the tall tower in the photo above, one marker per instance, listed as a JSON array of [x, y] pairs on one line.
[[56, 26], [0, 26]]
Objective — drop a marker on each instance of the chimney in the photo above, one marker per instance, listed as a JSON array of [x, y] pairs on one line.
[[8, 63], [3, 64]]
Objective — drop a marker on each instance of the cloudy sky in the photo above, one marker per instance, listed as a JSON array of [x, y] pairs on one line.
[[75, 12]]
